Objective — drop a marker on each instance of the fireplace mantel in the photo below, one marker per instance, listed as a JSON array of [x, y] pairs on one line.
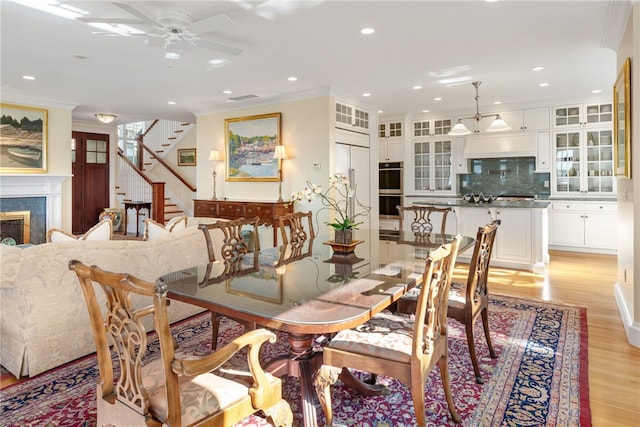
[[48, 186]]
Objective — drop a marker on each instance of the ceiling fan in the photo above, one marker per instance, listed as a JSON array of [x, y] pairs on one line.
[[171, 29]]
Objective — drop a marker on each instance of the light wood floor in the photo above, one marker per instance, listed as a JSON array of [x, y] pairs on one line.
[[586, 280]]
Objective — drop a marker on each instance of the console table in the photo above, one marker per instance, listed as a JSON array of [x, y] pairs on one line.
[[231, 209], [137, 205]]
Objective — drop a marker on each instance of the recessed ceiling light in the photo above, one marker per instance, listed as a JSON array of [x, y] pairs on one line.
[[217, 61], [28, 77], [226, 92], [416, 87], [596, 91], [437, 98], [366, 94], [538, 68], [380, 111], [491, 1], [171, 102], [425, 111], [367, 31], [543, 84], [497, 102], [293, 79]]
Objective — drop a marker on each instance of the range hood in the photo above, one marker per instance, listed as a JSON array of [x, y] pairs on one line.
[[500, 146]]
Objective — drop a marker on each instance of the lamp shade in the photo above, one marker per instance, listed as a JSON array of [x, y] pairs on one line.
[[498, 125], [280, 153], [459, 129], [106, 118], [214, 155]]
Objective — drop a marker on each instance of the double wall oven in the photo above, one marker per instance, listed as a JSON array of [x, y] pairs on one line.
[[390, 176]]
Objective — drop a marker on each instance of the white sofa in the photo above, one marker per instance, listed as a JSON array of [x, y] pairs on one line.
[[44, 319]]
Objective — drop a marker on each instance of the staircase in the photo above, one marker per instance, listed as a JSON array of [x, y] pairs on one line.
[[157, 181]]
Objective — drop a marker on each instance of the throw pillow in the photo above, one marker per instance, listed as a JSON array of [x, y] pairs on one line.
[[101, 231], [154, 230]]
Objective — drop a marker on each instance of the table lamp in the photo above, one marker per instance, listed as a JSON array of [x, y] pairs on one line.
[[280, 154], [214, 156]]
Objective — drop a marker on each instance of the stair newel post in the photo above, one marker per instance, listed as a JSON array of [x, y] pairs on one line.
[[157, 202]]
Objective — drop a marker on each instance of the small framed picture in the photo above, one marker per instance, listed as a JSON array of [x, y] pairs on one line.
[[186, 156]]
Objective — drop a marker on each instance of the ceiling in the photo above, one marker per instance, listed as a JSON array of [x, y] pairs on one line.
[[416, 43]]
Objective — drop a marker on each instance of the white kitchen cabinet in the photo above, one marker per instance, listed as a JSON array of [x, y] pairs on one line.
[[584, 226], [527, 120], [391, 141], [520, 239], [435, 127], [461, 164], [351, 118], [583, 114], [391, 150], [431, 168], [543, 152], [583, 161]]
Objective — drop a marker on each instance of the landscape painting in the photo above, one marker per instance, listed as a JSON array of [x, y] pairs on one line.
[[23, 139], [250, 145]]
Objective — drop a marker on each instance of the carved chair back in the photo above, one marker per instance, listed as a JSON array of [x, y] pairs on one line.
[[421, 220], [293, 229], [229, 233]]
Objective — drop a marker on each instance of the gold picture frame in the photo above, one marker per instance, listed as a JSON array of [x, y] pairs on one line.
[[250, 144], [186, 156], [622, 121], [23, 139]]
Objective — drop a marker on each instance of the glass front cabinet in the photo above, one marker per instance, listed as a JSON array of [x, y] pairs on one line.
[[432, 165], [584, 161]]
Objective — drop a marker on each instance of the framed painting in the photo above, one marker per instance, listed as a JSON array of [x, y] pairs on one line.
[[23, 139], [250, 145], [622, 121], [186, 156]]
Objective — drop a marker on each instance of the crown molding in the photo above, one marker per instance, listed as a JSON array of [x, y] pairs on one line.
[[617, 18]]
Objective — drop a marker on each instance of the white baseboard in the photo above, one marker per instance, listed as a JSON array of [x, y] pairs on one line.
[[632, 328]]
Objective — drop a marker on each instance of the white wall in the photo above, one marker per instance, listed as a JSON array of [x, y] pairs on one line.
[[306, 133], [627, 289]]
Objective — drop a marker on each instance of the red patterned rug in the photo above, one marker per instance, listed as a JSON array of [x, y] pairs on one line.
[[539, 378]]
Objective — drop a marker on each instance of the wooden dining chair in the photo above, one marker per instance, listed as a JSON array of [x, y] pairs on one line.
[[421, 221], [228, 235], [292, 227], [185, 385], [470, 299], [403, 347]]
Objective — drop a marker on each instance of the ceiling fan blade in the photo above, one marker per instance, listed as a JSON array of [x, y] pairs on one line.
[[89, 20], [220, 47], [135, 12], [207, 25]]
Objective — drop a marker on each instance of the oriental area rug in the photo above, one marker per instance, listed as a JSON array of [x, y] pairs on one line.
[[538, 379]]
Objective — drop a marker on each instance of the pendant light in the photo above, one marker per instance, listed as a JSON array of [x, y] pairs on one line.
[[498, 124]]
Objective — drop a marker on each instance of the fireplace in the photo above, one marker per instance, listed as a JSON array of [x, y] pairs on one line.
[[40, 196]]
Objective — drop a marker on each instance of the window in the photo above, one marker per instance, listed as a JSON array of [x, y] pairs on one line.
[[128, 139]]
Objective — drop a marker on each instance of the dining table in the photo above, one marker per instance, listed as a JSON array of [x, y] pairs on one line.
[[310, 292]]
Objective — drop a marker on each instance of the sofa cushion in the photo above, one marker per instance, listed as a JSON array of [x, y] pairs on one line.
[[154, 230], [101, 231]]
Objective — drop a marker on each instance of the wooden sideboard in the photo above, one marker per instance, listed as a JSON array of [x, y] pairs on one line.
[[231, 209]]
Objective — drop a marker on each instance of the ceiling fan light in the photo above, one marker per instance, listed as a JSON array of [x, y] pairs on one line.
[[498, 125], [106, 118], [459, 129]]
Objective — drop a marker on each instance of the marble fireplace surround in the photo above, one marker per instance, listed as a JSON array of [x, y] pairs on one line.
[[47, 186]]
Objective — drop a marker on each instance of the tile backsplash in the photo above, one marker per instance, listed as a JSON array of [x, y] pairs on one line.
[[504, 176]]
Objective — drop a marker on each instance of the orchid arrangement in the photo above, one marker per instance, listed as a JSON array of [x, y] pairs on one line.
[[338, 197]]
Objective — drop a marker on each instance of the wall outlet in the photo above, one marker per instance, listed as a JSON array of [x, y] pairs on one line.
[[317, 166], [546, 184]]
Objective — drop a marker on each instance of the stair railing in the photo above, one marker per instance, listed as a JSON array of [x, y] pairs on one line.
[[138, 186]]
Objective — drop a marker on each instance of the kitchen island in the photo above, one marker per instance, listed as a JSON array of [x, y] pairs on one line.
[[522, 240]]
